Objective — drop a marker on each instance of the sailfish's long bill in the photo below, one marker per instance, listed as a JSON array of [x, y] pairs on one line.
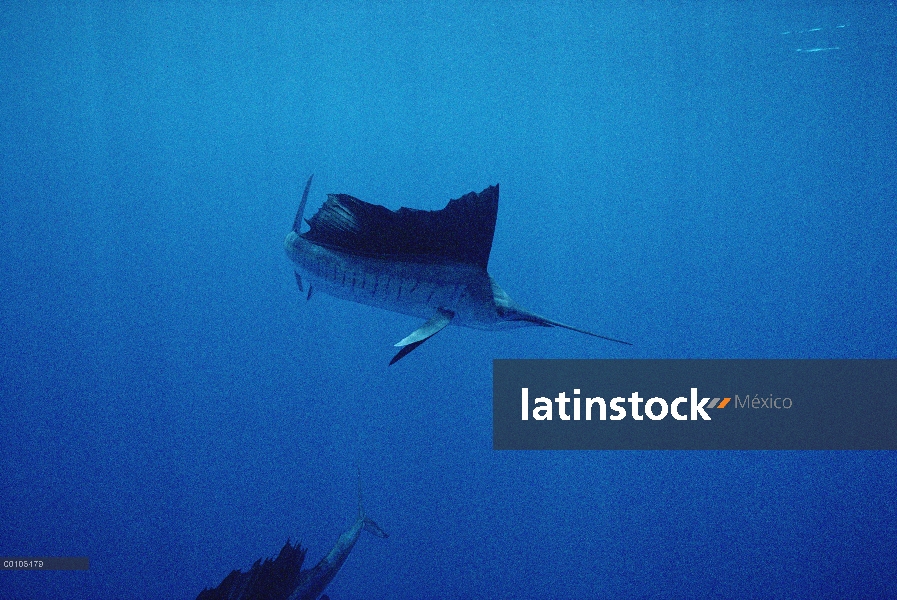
[[428, 264]]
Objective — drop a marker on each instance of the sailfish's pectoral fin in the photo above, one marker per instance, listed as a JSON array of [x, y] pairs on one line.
[[420, 335]]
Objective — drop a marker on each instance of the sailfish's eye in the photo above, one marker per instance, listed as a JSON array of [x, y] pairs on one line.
[[501, 310]]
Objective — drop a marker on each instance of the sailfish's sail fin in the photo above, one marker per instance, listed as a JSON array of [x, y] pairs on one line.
[[461, 232]]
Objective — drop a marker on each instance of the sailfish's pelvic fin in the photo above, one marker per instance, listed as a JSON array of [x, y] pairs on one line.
[[420, 335], [301, 287]]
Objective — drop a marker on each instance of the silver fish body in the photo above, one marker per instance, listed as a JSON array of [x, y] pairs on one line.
[[412, 288], [427, 264]]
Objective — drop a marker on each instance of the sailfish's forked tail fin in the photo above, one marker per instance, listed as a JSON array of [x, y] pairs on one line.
[[551, 323], [369, 525], [372, 527], [517, 313]]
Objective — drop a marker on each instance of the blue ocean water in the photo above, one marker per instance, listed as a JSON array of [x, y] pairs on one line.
[[703, 179]]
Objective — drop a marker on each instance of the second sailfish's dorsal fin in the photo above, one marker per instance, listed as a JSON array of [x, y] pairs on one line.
[[461, 232]]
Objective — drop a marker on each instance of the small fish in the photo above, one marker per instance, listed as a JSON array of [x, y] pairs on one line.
[[429, 264]]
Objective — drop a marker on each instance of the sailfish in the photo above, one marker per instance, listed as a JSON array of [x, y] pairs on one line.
[[283, 578], [428, 264]]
